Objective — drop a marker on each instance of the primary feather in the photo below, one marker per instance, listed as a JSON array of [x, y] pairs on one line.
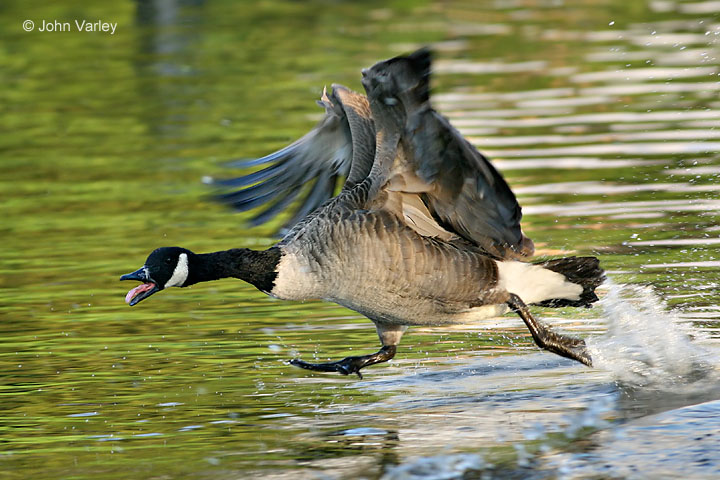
[[439, 183]]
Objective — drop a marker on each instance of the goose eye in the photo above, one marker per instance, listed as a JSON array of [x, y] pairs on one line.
[[168, 261]]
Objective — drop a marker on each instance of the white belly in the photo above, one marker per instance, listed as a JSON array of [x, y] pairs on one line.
[[297, 278]]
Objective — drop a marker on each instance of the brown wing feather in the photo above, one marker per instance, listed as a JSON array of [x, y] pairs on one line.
[[341, 144], [464, 193]]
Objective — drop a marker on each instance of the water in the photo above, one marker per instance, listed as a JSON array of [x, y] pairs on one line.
[[603, 117], [646, 346]]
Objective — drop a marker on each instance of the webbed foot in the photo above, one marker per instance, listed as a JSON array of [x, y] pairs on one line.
[[568, 347], [349, 365]]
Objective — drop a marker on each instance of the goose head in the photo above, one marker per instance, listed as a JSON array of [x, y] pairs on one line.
[[165, 267]]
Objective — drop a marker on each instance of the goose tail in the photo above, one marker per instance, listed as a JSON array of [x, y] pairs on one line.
[[583, 271]]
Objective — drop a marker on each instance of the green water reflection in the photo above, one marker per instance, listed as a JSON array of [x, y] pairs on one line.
[[105, 139]]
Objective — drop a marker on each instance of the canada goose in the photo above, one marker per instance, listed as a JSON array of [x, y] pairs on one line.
[[424, 231]]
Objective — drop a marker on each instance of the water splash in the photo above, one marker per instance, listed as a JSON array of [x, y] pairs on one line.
[[648, 346], [442, 467]]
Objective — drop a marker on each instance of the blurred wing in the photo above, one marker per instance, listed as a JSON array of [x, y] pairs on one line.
[[440, 184], [362, 128], [445, 188], [319, 159], [464, 193]]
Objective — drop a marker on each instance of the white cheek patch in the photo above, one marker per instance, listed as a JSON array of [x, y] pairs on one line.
[[180, 273]]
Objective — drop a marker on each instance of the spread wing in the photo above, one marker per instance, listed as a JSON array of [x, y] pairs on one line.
[[461, 191], [466, 193], [341, 145]]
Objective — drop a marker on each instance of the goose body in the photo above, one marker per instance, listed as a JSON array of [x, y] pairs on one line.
[[371, 262], [424, 231]]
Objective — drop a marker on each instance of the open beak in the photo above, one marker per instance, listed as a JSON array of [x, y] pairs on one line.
[[137, 294]]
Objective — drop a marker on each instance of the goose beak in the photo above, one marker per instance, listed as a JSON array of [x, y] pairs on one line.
[[138, 275], [141, 292]]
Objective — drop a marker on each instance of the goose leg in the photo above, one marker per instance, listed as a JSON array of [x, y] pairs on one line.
[[390, 336], [568, 347]]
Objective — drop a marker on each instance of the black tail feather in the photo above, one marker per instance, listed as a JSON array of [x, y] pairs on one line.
[[584, 271]]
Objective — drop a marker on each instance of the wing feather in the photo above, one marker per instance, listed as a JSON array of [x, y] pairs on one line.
[[321, 158], [440, 183], [463, 191]]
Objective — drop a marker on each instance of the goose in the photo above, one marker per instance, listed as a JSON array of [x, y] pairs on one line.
[[424, 231]]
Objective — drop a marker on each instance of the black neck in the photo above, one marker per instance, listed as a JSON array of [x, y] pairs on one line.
[[255, 267]]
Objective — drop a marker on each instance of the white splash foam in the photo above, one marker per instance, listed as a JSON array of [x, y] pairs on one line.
[[442, 467], [647, 345]]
